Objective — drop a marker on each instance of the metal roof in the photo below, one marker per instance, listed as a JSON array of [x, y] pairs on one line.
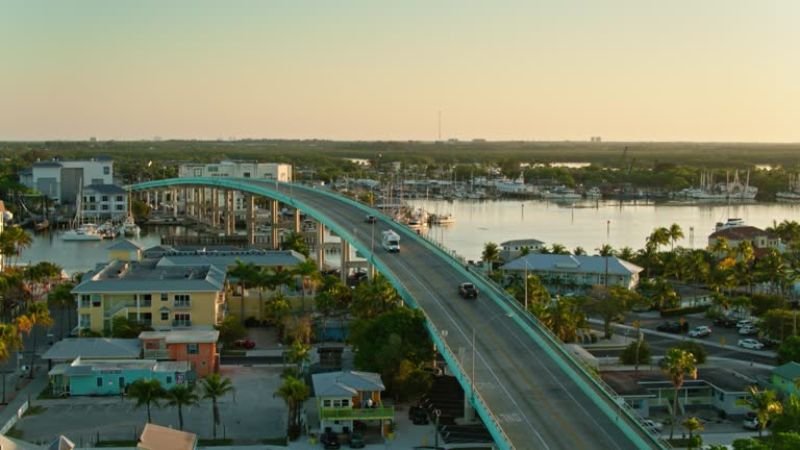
[[789, 371], [146, 276], [112, 189], [189, 336], [285, 258], [111, 348], [537, 262], [345, 384], [124, 244]]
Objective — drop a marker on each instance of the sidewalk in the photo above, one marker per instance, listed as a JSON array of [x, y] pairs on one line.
[[31, 390]]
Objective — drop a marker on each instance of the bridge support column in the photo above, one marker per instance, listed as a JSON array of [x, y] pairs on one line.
[[251, 218], [297, 220], [173, 196], [320, 245], [201, 211], [469, 410], [275, 224], [147, 193], [230, 220], [215, 207], [345, 260]]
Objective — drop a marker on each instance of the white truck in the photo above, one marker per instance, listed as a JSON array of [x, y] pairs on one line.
[[391, 241]]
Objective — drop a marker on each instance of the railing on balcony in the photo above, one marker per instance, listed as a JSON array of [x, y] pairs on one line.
[[181, 323], [182, 304], [156, 354], [384, 412]]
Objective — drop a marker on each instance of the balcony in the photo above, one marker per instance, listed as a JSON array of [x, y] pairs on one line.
[[156, 354], [384, 412], [182, 304], [181, 323]]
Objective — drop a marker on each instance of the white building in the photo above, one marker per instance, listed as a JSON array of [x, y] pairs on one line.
[[105, 201], [61, 180], [238, 169]]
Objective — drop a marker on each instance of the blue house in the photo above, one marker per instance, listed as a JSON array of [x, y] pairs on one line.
[[112, 377]]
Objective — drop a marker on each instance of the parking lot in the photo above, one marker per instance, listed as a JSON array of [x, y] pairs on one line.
[[248, 416]]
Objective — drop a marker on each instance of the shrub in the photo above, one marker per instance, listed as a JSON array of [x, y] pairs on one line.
[[683, 311], [694, 348], [629, 355]]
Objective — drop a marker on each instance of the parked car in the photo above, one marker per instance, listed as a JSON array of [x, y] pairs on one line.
[[355, 278], [357, 440], [701, 331], [670, 327], [770, 343], [653, 425], [725, 322], [246, 344], [467, 290], [329, 440], [751, 421], [751, 344], [748, 330], [417, 415], [371, 219], [744, 323]]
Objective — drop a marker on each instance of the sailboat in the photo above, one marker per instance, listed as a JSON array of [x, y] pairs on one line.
[[129, 227], [81, 231], [793, 194]]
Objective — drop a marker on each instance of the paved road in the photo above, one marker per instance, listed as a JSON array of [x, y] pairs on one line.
[[537, 404], [535, 401]]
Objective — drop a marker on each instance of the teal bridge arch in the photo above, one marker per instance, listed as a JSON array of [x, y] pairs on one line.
[[537, 394]]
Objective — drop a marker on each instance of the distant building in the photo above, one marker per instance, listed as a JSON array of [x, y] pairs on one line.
[[156, 437], [62, 180], [105, 201], [345, 397], [197, 347], [238, 169], [570, 273], [761, 240], [510, 250], [112, 377]]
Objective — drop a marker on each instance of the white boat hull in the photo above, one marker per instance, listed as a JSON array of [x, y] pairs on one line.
[[73, 236]]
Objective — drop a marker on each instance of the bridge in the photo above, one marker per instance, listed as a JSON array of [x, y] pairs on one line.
[[527, 389]]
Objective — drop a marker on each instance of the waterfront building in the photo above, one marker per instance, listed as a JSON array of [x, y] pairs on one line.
[[345, 397], [105, 201], [572, 273], [513, 249], [62, 180], [112, 377], [196, 346], [760, 239]]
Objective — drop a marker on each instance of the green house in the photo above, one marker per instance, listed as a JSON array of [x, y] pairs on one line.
[[784, 377], [112, 377]]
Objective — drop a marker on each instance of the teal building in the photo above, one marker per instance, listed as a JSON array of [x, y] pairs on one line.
[[112, 377]]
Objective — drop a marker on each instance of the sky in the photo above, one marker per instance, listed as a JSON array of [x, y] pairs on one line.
[[639, 70]]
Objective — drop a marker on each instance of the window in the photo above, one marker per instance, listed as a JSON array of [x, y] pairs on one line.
[[99, 382], [147, 297], [85, 321], [182, 320], [91, 199], [183, 300], [119, 207], [86, 301], [169, 380], [106, 170], [326, 403], [104, 198], [246, 174], [192, 349], [96, 300], [198, 172], [164, 296], [104, 207], [119, 198], [165, 315]]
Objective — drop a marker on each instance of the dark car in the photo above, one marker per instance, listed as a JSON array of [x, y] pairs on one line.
[[417, 415], [467, 290], [245, 344], [330, 440], [356, 278], [357, 440], [725, 322], [371, 219], [670, 327]]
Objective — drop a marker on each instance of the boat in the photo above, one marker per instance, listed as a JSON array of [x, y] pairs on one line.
[[442, 219], [107, 230], [793, 194], [42, 226], [728, 190], [561, 193], [594, 193], [81, 231], [129, 227], [730, 223]]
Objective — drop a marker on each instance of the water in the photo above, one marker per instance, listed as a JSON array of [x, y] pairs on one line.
[[582, 224], [588, 224]]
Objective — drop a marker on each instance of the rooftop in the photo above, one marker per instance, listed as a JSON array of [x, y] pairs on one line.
[[740, 233], [111, 189], [156, 437], [147, 276], [83, 367], [345, 384], [628, 383], [572, 263], [124, 244], [789, 371], [521, 243], [286, 258], [189, 336], [110, 348]]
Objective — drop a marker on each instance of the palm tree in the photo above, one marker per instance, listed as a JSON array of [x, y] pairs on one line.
[[605, 250], [579, 251], [765, 405], [490, 255], [37, 315], [10, 340], [61, 298], [294, 392], [13, 240], [214, 387], [692, 424], [308, 273], [246, 274], [677, 365], [626, 253], [674, 232], [558, 249], [180, 396], [146, 393], [660, 236]]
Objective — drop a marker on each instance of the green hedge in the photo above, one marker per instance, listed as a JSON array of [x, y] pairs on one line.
[[683, 311]]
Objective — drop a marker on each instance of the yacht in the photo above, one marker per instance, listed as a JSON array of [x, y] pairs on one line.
[[793, 194], [561, 193], [593, 193], [85, 232], [443, 219], [730, 223], [129, 227], [107, 230]]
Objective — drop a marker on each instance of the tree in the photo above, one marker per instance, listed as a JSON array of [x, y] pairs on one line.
[[789, 419], [490, 255], [309, 276], [10, 340], [214, 387], [294, 392], [558, 249], [789, 350], [692, 424], [146, 393], [677, 365], [401, 332], [764, 404], [61, 298], [125, 328], [230, 331], [605, 250], [247, 276], [13, 240], [659, 236], [37, 316], [373, 298], [295, 241], [674, 232], [696, 349], [610, 303], [629, 355], [180, 396], [579, 251], [563, 317]]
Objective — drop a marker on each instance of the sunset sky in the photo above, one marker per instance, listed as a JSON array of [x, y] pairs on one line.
[[694, 70]]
